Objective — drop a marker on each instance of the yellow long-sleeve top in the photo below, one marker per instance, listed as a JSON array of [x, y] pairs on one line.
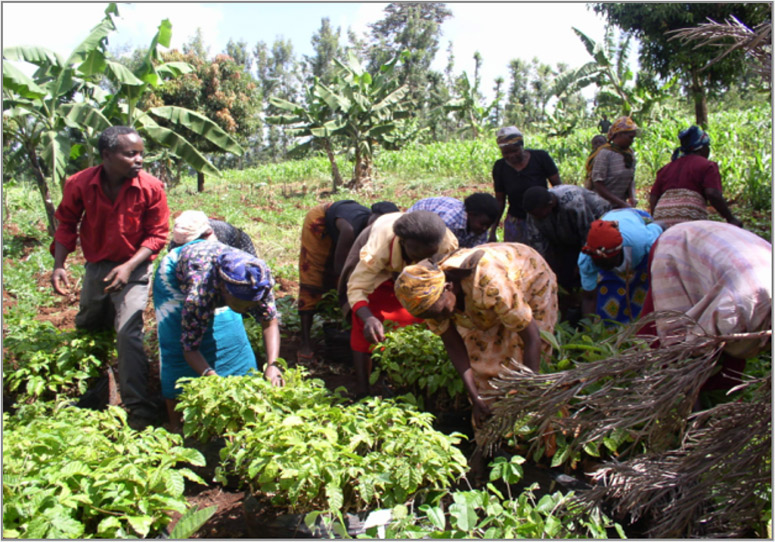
[[381, 259]]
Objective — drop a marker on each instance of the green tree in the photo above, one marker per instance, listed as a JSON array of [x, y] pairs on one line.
[[325, 42], [238, 51], [368, 107], [413, 28], [38, 112], [196, 45], [277, 71], [529, 92], [315, 121], [219, 89], [651, 23]]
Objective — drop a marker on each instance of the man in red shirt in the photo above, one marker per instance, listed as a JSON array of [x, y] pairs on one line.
[[124, 223]]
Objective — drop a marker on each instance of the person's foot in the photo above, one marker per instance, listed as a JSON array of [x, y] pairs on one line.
[[140, 420], [305, 357]]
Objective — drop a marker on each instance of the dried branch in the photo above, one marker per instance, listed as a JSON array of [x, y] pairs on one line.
[[756, 42], [714, 485], [648, 392]]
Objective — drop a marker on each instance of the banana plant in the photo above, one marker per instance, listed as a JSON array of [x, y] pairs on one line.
[[468, 108], [367, 108], [38, 111], [42, 113], [158, 124], [610, 72], [316, 122]]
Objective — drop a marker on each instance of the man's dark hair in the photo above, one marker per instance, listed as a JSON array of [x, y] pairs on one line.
[[108, 140], [422, 226], [384, 207], [536, 197], [481, 203]]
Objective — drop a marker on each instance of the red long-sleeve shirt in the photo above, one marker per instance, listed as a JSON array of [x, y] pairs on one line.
[[112, 230]]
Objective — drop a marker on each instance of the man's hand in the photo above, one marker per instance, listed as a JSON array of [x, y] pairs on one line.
[[59, 281], [373, 330], [117, 278], [273, 374]]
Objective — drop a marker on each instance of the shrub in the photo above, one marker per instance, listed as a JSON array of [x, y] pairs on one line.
[[309, 451], [76, 473]]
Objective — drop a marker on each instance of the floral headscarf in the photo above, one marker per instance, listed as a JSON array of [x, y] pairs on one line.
[[419, 286]]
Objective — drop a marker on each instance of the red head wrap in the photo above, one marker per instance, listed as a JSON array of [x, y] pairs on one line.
[[604, 239]]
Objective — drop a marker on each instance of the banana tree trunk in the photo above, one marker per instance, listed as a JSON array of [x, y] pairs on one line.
[[336, 177], [200, 181], [44, 191]]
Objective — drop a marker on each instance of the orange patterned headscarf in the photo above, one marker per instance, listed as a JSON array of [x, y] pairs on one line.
[[604, 239], [419, 286], [622, 124]]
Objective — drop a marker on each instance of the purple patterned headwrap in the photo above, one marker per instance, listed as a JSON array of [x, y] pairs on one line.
[[245, 276]]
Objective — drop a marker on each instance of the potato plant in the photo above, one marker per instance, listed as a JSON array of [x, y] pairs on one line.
[[77, 473], [310, 450]]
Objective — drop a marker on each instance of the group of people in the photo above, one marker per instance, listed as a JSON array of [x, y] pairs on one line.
[[438, 262]]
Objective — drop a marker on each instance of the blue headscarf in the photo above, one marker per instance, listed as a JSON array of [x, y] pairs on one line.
[[692, 139], [245, 276]]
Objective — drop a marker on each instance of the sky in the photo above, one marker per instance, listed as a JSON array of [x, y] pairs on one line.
[[499, 31]]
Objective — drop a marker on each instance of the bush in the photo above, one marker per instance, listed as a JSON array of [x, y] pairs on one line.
[[76, 473], [309, 451]]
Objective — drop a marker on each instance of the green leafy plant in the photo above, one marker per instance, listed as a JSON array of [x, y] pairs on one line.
[[77, 473], [414, 359], [42, 361], [309, 451], [488, 513]]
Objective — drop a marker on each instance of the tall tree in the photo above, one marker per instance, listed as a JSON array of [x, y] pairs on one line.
[[529, 92], [238, 50], [414, 27], [277, 71], [196, 45], [325, 42], [221, 90], [652, 22]]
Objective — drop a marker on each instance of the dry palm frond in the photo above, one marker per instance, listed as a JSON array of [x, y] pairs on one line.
[[714, 485], [649, 392], [732, 35]]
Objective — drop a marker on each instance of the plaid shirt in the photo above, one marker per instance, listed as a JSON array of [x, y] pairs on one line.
[[453, 212]]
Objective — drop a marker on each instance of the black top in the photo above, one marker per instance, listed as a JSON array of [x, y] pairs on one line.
[[354, 213], [228, 235], [232, 236], [514, 183]]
